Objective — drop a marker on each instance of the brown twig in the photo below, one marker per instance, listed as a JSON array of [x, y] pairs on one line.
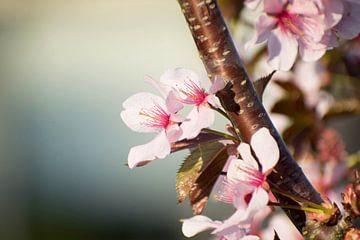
[[239, 98]]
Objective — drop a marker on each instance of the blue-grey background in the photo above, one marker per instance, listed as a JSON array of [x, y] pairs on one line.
[[65, 69]]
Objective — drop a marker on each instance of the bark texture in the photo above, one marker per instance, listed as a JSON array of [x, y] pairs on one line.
[[239, 98]]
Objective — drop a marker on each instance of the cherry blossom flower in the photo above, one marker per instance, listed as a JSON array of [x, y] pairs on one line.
[[349, 26], [146, 112], [245, 176], [186, 84], [289, 26], [333, 11], [200, 223]]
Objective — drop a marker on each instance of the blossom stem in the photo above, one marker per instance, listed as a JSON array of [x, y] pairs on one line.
[[219, 110], [225, 135], [306, 209], [296, 198]]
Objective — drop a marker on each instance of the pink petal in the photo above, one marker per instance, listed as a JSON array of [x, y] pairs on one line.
[[303, 7], [161, 87], [265, 148], [173, 102], [258, 201], [274, 6], [173, 132], [217, 85], [311, 52], [197, 224], [333, 10], [199, 118], [159, 147], [245, 152], [349, 26], [176, 77], [282, 50], [264, 25], [134, 105], [239, 217]]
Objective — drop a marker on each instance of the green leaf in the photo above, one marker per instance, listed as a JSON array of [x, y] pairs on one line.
[[199, 172]]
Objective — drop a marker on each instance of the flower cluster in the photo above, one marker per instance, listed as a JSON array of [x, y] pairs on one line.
[[244, 187], [146, 112], [307, 27]]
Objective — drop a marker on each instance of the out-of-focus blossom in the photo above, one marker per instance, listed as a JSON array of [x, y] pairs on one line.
[[349, 25], [200, 223], [186, 84], [309, 77], [333, 11], [289, 26], [252, 4], [146, 112]]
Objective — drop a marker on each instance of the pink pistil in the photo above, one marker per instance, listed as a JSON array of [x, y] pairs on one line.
[[254, 177], [195, 95], [157, 117], [288, 21]]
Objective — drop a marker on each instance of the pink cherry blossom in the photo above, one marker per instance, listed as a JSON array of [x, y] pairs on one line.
[[186, 84], [349, 26], [290, 26], [146, 112], [200, 223], [245, 176]]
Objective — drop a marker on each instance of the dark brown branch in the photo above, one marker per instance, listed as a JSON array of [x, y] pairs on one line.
[[239, 98]]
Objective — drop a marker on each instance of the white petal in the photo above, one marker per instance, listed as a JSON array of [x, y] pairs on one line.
[[197, 224], [176, 77], [217, 85], [283, 49], [274, 6], [173, 102], [258, 201], [161, 87], [284, 227], [236, 173], [137, 103], [234, 220], [265, 148], [199, 118], [245, 153], [159, 147], [264, 25]]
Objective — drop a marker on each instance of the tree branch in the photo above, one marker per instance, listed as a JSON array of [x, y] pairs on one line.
[[239, 98]]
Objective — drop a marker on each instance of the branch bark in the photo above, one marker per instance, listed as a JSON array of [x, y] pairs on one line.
[[239, 98]]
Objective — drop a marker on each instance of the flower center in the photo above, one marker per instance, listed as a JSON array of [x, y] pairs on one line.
[[194, 94], [288, 21], [254, 177], [156, 117]]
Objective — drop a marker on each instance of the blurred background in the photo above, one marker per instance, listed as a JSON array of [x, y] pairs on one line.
[[65, 69]]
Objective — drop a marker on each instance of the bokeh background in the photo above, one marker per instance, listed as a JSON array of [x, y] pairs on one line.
[[65, 69]]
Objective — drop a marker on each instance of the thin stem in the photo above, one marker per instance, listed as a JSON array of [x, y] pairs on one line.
[[225, 135], [219, 110], [295, 197], [306, 209]]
